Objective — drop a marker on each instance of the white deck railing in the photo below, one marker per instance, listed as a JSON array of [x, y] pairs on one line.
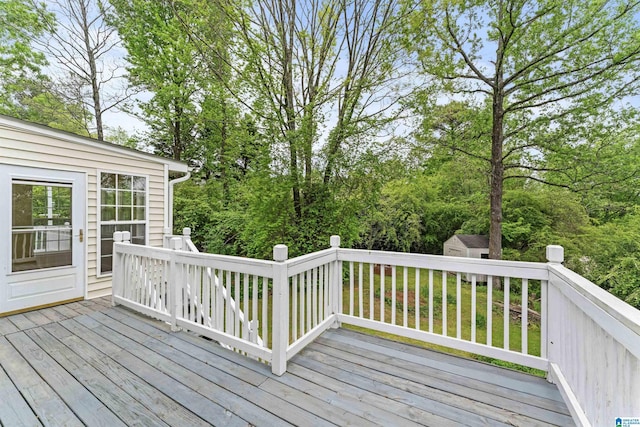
[[214, 283], [594, 349], [427, 298], [539, 315]]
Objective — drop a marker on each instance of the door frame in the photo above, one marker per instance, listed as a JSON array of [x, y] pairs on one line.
[[80, 205]]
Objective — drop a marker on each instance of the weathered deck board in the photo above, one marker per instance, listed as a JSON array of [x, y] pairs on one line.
[[187, 370], [525, 395], [99, 385], [87, 407], [21, 321], [52, 315], [89, 363], [232, 378], [14, 411], [479, 370], [164, 407], [31, 319], [148, 371], [37, 317], [39, 395], [429, 383], [6, 327], [66, 311]]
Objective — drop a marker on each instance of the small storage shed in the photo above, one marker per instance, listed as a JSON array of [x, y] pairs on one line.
[[469, 246], [62, 196]]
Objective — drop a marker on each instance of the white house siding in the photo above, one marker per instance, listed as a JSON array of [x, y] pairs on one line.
[[52, 151]]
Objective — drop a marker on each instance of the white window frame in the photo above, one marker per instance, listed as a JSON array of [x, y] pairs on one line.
[[100, 223]]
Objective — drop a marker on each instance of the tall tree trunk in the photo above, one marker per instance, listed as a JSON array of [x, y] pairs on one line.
[[307, 140], [177, 132], [223, 154], [93, 71], [287, 33], [497, 165], [497, 178]]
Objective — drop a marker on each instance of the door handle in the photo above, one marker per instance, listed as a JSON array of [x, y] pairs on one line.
[[81, 235]]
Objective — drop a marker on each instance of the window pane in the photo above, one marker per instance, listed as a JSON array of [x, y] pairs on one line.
[[108, 180], [124, 198], [124, 182], [41, 232], [108, 213], [106, 264], [139, 183], [106, 246], [124, 214], [106, 231], [138, 214], [108, 197], [139, 198], [138, 231]]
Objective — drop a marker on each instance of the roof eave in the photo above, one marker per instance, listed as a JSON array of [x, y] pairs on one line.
[[36, 128]]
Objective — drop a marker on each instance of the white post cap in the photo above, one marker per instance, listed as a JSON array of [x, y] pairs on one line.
[[186, 231], [175, 243], [280, 253], [555, 254], [334, 241]]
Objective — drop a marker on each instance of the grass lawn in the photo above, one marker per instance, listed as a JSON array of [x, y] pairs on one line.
[[450, 302], [497, 311]]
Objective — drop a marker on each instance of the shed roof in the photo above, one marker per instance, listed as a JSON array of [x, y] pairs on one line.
[[38, 129], [474, 241]]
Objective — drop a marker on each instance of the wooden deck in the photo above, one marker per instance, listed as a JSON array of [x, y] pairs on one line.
[[89, 364]]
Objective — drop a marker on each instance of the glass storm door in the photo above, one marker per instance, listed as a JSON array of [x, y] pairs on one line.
[[45, 216]]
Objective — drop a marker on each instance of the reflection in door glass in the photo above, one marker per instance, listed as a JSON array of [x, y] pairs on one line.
[[41, 228]]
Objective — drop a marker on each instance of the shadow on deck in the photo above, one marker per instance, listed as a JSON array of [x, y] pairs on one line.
[[88, 363]]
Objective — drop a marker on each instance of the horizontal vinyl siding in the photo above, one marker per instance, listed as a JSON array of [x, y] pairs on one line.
[[27, 149]]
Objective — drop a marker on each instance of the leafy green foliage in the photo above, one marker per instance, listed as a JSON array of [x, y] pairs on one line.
[[19, 24], [413, 217], [25, 91], [610, 257], [536, 217]]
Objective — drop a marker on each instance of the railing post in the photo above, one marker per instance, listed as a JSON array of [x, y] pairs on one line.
[[166, 237], [117, 267], [280, 320], [175, 303], [335, 285], [555, 256], [186, 236]]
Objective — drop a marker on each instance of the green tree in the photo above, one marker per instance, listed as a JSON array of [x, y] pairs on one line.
[[539, 65], [19, 62], [319, 71], [610, 257], [37, 101], [181, 55], [25, 92], [165, 63]]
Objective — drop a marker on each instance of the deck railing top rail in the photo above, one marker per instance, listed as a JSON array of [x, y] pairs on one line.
[[529, 270], [613, 306]]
